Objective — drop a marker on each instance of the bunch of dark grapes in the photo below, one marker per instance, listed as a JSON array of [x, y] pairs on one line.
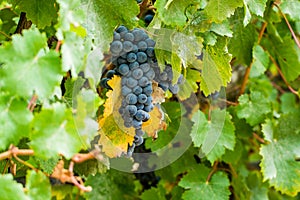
[[134, 60], [133, 56]]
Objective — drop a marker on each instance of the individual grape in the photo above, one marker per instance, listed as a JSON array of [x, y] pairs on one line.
[[150, 52], [163, 76], [163, 85], [129, 37], [139, 132], [121, 29], [144, 36], [117, 36], [138, 34], [137, 90], [134, 65], [174, 89], [116, 47], [141, 57], [128, 124], [140, 115], [131, 82], [149, 101], [137, 73], [145, 67], [139, 106], [131, 57], [136, 124], [142, 45], [142, 98], [123, 69], [110, 73], [131, 109], [150, 74], [143, 81], [148, 18], [150, 42], [147, 117], [148, 90], [124, 81], [180, 79], [131, 99], [135, 48], [127, 118], [125, 91], [139, 1], [148, 108], [127, 46], [122, 111], [138, 140], [103, 83]]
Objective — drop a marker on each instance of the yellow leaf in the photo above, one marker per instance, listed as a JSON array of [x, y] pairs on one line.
[[158, 94], [155, 123]]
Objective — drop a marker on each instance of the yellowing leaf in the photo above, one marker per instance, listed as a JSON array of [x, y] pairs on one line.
[[155, 123], [114, 136], [158, 94]]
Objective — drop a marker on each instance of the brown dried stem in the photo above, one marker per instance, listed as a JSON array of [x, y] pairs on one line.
[[288, 24]]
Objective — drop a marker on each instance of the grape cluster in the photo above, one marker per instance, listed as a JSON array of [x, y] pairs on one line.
[[134, 60], [133, 55]]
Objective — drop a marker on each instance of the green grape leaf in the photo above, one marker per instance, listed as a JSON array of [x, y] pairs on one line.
[[241, 44], [102, 24], [253, 107], [190, 84], [41, 12], [291, 7], [7, 25], [213, 136], [27, 63], [198, 188], [256, 7], [288, 103], [259, 190], [72, 51], [154, 193], [70, 14], [111, 185], [14, 120], [9, 189], [222, 29], [285, 52], [173, 12], [260, 63], [280, 153], [47, 165], [186, 47], [219, 10], [216, 70], [54, 133], [87, 103], [38, 185]]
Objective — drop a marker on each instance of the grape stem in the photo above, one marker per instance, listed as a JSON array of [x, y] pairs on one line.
[[58, 44], [257, 137], [288, 24], [214, 169], [282, 76], [247, 73], [32, 103], [61, 174]]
